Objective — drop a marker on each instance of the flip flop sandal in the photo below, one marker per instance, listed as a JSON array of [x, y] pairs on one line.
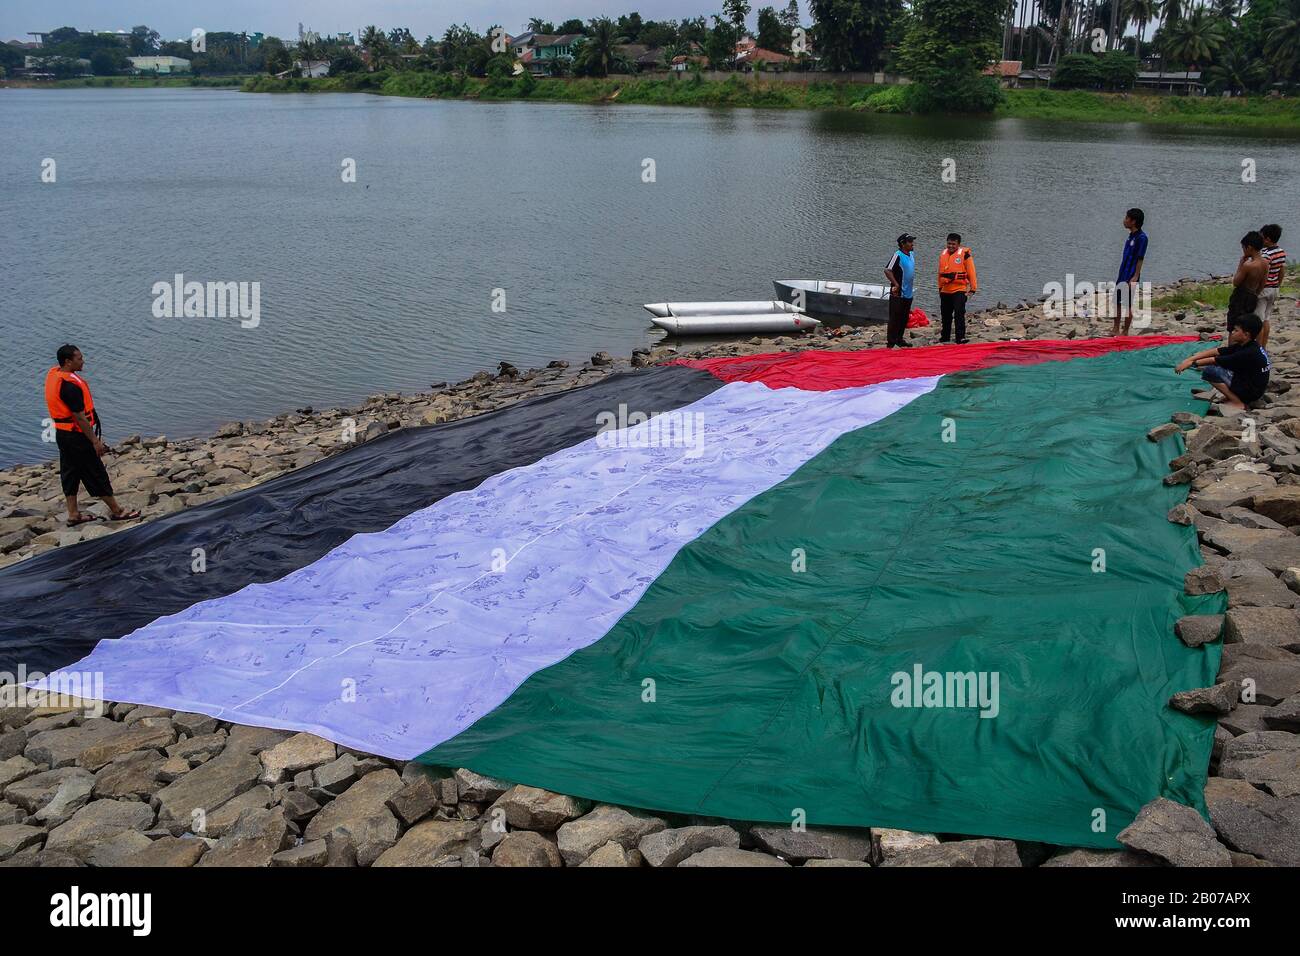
[[125, 516], [82, 519]]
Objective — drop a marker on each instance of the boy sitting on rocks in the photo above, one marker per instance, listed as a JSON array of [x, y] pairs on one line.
[[1238, 371]]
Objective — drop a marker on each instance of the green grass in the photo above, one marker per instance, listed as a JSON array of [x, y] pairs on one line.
[[137, 82], [1215, 294], [751, 91], [1258, 112]]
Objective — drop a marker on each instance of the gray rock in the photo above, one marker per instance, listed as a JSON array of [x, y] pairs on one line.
[[194, 725], [427, 842], [1230, 538], [478, 788], [1102, 858], [131, 776], [169, 851], [1163, 431], [119, 849], [1174, 834], [1183, 514], [12, 743], [1250, 584], [1269, 759], [223, 819], [526, 848], [62, 748], [300, 752], [1251, 821], [724, 856], [97, 823], [579, 839], [143, 712], [1282, 504], [360, 817], [528, 808], [15, 838], [887, 843], [298, 806], [313, 853], [1002, 853], [1245, 719], [1263, 681], [1196, 630], [198, 749], [414, 801], [15, 769], [814, 843], [671, 847], [52, 796], [254, 740], [206, 788], [1275, 626], [1202, 580], [1219, 699], [254, 840], [1276, 554], [1238, 488], [337, 775], [1284, 716], [611, 855]]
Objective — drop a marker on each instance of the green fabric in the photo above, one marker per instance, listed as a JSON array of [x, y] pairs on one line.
[[773, 688]]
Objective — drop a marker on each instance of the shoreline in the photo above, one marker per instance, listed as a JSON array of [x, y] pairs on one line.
[[1255, 114], [117, 784], [160, 476]]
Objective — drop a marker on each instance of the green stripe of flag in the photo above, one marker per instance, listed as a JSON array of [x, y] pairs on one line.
[[775, 690]]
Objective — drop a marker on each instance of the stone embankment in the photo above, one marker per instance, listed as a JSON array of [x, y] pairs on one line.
[[138, 785]]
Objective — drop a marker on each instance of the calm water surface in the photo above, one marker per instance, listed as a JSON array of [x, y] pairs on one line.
[[387, 284]]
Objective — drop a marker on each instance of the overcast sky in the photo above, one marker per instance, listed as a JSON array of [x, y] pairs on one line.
[[176, 18]]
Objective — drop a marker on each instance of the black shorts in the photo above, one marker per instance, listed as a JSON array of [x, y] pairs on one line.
[[79, 465]]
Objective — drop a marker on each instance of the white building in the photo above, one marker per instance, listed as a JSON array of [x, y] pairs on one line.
[[159, 64], [318, 68]]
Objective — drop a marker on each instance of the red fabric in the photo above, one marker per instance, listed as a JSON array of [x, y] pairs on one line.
[[917, 319], [822, 371]]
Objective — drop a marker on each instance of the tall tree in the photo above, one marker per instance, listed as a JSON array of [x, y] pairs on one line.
[[1282, 40], [599, 55], [852, 34], [947, 46], [1193, 40], [772, 33]]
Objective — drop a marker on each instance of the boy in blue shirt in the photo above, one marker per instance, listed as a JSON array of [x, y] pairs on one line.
[[899, 273], [1130, 269]]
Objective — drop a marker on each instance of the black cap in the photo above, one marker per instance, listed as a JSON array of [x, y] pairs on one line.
[[906, 237]]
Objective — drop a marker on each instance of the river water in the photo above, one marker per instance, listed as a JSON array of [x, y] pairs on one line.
[[389, 283]]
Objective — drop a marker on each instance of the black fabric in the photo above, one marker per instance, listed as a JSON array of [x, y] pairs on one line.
[[80, 465], [72, 396], [952, 307], [899, 309], [1250, 368], [56, 606]]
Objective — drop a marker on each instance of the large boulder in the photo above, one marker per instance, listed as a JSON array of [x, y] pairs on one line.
[[254, 840], [63, 747], [131, 776], [814, 843], [1237, 488], [54, 795], [359, 818], [1175, 834], [579, 839], [526, 848], [671, 847], [1276, 554], [725, 856], [528, 808], [1274, 626], [205, 788], [1252, 821], [1194, 630], [1282, 504], [97, 823], [1001, 853], [1250, 584], [300, 752], [1102, 858], [1267, 674], [430, 841], [1269, 759]]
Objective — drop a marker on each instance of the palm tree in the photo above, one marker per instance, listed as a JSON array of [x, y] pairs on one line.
[[1194, 39], [599, 52], [307, 51], [1235, 72], [1282, 39], [1142, 12]]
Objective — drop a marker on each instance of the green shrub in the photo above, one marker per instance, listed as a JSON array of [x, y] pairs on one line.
[[1078, 71]]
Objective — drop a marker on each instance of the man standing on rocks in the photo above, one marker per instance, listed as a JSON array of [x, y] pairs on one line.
[[900, 272], [1275, 256], [1130, 269], [956, 282], [77, 432]]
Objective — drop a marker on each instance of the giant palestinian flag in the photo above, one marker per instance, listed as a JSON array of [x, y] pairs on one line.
[[931, 589]]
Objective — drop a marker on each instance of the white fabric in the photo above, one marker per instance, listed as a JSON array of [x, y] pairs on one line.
[[396, 641]]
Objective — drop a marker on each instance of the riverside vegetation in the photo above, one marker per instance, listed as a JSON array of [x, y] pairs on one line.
[[122, 787]]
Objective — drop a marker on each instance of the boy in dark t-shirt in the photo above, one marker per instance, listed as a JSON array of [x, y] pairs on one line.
[[1239, 371]]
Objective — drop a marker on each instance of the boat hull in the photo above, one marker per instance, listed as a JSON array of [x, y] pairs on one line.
[[754, 323], [852, 300]]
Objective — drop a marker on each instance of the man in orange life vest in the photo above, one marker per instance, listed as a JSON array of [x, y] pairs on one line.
[[76, 424], [956, 282]]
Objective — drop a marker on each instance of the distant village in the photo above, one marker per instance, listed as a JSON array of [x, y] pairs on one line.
[[1192, 49]]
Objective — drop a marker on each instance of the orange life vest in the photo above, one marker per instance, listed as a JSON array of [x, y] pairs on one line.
[[956, 271], [59, 411]]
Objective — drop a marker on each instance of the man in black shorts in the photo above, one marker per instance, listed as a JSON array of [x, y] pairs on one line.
[[77, 432]]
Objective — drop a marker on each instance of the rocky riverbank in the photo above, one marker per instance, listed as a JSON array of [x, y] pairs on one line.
[[135, 785]]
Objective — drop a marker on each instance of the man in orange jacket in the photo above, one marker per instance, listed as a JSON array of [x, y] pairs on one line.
[[956, 282], [77, 431]]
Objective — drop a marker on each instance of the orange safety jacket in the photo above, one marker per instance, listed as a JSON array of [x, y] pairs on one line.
[[59, 410], [957, 271]]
